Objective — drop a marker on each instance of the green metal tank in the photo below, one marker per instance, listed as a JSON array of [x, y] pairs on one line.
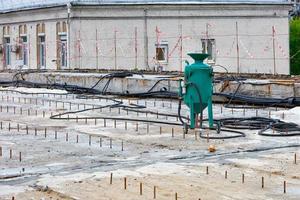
[[196, 89]]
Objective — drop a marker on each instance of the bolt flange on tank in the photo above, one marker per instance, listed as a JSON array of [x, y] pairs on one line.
[[196, 90]]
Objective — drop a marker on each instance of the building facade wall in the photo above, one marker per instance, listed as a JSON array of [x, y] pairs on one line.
[[107, 44], [119, 37], [49, 17]]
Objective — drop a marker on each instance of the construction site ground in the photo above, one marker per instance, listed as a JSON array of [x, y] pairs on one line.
[[78, 157]]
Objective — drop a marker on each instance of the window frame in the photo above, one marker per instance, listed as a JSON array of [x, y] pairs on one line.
[[24, 49], [62, 45], [6, 46], [213, 57], [41, 46], [165, 49], [7, 50], [63, 40], [42, 51]]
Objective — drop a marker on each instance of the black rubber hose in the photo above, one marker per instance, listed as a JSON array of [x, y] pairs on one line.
[[179, 113], [262, 124], [99, 81], [232, 97], [113, 75], [237, 134], [281, 129], [157, 82], [104, 90], [279, 134], [251, 123], [150, 112], [290, 101]]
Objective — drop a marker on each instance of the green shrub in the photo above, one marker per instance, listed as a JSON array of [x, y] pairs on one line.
[[295, 46]]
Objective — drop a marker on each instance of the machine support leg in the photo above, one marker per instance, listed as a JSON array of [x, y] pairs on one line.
[[210, 113], [192, 116]]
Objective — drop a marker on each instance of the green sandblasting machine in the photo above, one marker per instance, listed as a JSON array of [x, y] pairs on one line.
[[196, 88]]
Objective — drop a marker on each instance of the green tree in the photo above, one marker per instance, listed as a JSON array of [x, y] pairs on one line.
[[295, 46]]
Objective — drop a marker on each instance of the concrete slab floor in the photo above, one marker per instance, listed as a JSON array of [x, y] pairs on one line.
[[43, 158]]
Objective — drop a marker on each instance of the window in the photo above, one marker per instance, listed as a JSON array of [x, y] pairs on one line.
[[41, 52], [162, 52], [6, 46], [24, 50], [62, 50], [41, 46], [23, 44], [7, 51], [209, 47]]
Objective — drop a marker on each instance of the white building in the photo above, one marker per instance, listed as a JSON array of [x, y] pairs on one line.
[[242, 36]]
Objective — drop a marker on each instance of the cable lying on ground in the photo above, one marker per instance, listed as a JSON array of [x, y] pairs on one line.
[[263, 101], [258, 123], [277, 128]]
